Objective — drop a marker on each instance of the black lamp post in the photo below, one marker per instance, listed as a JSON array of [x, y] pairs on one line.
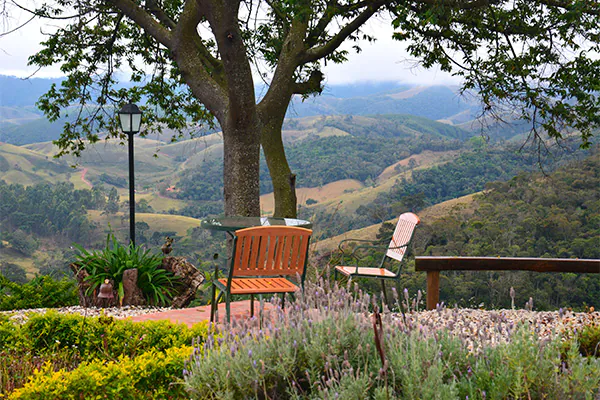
[[130, 117]]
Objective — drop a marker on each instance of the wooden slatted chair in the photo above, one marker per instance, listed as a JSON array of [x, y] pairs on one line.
[[264, 258], [396, 250]]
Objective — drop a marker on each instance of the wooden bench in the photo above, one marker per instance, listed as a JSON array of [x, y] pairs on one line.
[[433, 266]]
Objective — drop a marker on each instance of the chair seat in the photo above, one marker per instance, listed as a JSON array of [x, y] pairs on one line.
[[259, 285], [374, 272]]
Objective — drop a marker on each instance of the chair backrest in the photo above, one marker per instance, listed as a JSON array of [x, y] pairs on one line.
[[270, 251], [402, 236]]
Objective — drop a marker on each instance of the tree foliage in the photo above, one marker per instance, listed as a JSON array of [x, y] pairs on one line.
[[530, 60], [191, 62]]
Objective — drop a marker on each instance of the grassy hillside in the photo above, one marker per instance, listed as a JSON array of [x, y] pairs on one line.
[[157, 222], [429, 215], [21, 165]]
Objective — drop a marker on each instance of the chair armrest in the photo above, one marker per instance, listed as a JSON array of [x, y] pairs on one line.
[[359, 240]]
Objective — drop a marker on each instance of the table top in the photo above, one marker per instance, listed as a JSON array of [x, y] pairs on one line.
[[231, 224]]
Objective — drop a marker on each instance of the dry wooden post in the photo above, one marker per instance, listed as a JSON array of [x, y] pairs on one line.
[[433, 289]]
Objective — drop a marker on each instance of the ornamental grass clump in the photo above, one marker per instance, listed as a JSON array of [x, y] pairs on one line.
[[323, 346]]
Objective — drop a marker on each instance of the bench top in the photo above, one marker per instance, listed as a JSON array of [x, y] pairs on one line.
[[507, 264]]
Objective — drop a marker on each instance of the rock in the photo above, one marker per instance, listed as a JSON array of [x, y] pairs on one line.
[[132, 294], [190, 280]]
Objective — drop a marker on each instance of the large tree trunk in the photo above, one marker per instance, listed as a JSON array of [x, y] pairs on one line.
[[241, 154], [284, 181]]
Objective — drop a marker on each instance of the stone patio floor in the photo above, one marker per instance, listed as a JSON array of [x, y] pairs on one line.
[[190, 316]]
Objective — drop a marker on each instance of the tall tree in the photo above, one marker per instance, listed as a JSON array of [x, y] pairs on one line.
[[191, 62]]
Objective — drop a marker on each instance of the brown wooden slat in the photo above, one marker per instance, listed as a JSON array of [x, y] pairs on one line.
[[281, 255], [254, 252], [272, 246], [262, 252], [287, 253], [507, 264], [260, 285], [245, 255]]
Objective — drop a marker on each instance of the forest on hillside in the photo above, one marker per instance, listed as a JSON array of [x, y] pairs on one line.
[[530, 215]]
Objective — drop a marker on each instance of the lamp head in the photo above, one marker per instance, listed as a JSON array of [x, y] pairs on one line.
[[130, 117]]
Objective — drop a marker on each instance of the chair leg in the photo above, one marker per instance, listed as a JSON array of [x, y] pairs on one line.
[[384, 291], [283, 301], [228, 307], [213, 303], [251, 305]]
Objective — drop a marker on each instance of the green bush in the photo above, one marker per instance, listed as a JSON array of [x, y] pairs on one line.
[[589, 340], [104, 337], [155, 283], [40, 292], [151, 375], [63, 341]]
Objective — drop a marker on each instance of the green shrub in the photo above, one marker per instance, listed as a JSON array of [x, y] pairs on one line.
[[589, 340], [155, 283], [40, 292], [104, 337], [64, 341], [151, 375]]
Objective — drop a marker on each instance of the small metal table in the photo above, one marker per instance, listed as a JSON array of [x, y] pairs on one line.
[[232, 224]]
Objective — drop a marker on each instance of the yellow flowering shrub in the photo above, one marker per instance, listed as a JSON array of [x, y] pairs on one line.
[[154, 374]]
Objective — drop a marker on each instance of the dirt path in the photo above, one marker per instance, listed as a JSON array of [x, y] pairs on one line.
[[85, 180]]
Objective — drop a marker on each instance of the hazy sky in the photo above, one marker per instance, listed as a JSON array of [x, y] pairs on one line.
[[383, 60]]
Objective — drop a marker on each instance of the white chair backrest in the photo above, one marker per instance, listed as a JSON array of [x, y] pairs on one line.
[[402, 235]]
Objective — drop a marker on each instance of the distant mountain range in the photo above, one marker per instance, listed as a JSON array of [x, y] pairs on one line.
[[22, 123]]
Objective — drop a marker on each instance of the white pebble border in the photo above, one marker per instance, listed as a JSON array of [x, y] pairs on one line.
[[480, 328], [21, 316]]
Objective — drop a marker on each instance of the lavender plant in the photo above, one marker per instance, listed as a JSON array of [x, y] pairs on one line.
[[323, 346]]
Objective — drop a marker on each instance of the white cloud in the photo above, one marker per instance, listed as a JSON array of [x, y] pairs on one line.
[[383, 60]]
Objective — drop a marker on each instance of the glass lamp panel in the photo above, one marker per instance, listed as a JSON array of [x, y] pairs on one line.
[[136, 121], [125, 122]]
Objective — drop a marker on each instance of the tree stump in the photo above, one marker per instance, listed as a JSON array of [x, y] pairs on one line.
[[132, 294], [82, 285], [190, 279]]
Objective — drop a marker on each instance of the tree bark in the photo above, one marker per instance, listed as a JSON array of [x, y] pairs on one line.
[[241, 154], [284, 181]]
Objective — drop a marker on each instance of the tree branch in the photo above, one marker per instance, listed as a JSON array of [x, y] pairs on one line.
[[160, 14], [312, 85], [317, 53], [280, 91], [145, 21], [201, 71]]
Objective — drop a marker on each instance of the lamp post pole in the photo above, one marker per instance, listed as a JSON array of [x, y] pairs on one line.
[[131, 193], [130, 117]]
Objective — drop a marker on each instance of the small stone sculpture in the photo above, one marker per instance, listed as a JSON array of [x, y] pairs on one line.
[[167, 247]]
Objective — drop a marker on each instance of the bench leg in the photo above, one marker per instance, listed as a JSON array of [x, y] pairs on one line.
[[433, 289], [213, 303], [251, 305]]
